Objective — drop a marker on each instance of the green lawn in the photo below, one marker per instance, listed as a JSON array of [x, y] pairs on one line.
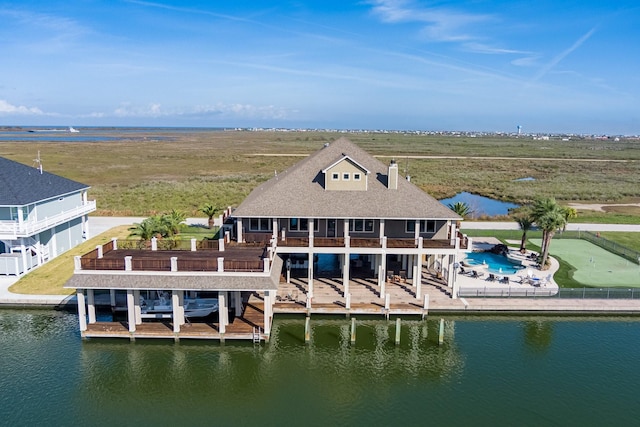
[[593, 266]]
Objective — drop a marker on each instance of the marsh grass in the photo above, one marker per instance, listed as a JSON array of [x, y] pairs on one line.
[[162, 170]]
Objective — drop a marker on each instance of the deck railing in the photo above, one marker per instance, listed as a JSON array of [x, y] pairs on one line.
[[31, 227], [564, 293], [164, 264]]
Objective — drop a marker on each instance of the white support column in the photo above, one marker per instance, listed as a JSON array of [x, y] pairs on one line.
[[404, 261], [416, 231], [409, 266], [310, 275], [268, 311], [223, 317], [91, 306], [154, 243], [382, 228], [177, 302], [347, 239], [136, 302], [82, 315], [220, 264], [382, 273], [239, 230], [274, 227], [311, 228], [131, 317], [345, 273], [382, 282], [194, 247]]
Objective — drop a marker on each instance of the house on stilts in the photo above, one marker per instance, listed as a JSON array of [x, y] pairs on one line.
[[338, 232]]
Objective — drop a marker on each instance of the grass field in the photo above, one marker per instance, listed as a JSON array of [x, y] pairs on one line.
[[160, 170]]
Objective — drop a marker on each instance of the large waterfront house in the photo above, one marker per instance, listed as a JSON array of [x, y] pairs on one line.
[[339, 216], [41, 216]]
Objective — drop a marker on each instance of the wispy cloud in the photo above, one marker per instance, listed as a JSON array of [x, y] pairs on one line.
[[9, 109], [441, 24], [476, 47], [555, 61]]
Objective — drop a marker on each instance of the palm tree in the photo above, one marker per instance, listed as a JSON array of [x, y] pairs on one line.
[[172, 221], [210, 211], [525, 221], [461, 208], [569, 213], [549, 217], [145, 230]]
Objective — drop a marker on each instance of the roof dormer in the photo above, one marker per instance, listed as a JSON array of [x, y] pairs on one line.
[[345, 174]]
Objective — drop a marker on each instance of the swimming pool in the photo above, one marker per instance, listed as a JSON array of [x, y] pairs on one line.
[[497, 264]]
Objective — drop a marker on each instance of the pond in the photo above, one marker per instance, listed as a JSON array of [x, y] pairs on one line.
[[480, 205]]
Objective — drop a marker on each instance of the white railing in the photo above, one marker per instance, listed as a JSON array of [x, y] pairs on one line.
[[29, 228]]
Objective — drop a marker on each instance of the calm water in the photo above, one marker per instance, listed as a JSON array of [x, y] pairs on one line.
[[490, 371], [480, 205]]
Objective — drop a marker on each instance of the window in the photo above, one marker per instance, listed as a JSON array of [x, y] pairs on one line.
[[260, 224], [345, 176], [426, 226], [335, 176], [356, 177], [361, 225], [301, 224]]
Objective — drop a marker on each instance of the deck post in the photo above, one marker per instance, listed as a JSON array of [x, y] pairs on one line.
[[220, 264], [417, 281], [310, 274], [115, 243], [441, 334], [77, 262], [91, 306], [347, 302], [127, 263], [398, 330], [177, 301], [268, 312], [112, 297], [100, 253], [193, 245], [154, 243], [82, 317], [137, 309], [131, 317], [345, 274], [221, 244], [265, 264], [383, 283], [223, 313], [174, 263], [387, 302]]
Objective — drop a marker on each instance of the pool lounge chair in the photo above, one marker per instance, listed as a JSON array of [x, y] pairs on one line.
[[504, 279], [491, 278], [475, 274]]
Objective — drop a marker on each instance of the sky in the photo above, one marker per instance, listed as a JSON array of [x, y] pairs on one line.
[[553, 66]]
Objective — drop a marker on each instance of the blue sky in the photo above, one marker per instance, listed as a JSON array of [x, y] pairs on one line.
[[549, 66]]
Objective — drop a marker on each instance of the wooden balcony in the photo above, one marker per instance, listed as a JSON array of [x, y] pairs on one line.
[[237, 259]]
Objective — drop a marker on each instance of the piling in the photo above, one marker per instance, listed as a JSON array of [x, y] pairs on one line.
[[441, 334], [353, 330], [398, 331], [307, 330], [425, 307]]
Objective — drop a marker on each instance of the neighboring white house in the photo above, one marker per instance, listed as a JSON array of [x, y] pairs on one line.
[[41, 216]]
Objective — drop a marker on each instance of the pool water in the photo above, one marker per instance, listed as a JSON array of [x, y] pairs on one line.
[[497, 264]]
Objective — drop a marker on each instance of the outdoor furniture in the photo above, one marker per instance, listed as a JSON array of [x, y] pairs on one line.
[[504, 279], [475, 274], [491, 278]]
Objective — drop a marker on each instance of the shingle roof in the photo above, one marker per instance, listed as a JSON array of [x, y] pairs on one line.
[[299, 192], [21, 184]]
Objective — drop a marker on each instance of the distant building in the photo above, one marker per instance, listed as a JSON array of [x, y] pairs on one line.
[[41, 216]]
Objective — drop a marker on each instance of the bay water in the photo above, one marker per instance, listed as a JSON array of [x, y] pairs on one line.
[[490, 371]]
